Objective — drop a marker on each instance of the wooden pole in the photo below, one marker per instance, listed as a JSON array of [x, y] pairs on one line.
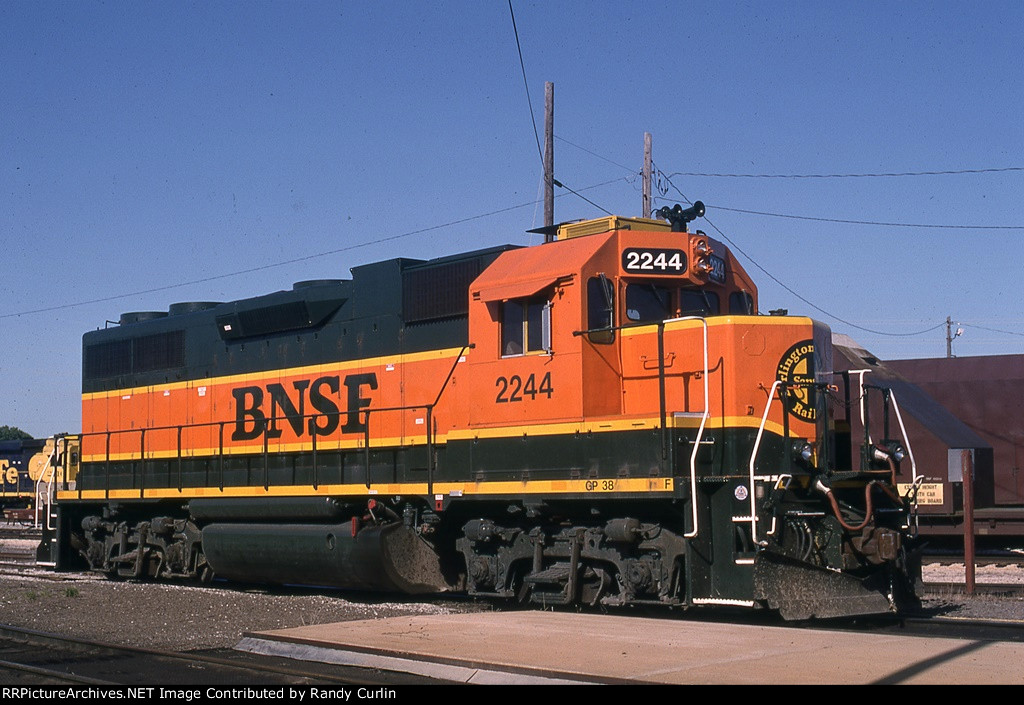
[[647, 176], [549, 156]]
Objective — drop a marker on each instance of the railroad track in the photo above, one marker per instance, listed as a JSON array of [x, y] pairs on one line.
[[33, 656], [12, 557], [983, 560], [958, 628], [940, 589], [11, 532], [945, 628]]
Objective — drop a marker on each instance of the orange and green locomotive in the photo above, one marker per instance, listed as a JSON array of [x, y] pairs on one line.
[[601, 419]]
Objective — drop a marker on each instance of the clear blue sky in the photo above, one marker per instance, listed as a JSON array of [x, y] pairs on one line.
[[147, 144]]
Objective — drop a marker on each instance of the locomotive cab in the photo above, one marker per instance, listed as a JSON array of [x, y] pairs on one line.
[[630, 357]]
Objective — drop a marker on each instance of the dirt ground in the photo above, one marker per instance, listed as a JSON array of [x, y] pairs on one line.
[[182, 617]]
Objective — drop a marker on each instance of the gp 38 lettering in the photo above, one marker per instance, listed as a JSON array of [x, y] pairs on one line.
[[513, 389]]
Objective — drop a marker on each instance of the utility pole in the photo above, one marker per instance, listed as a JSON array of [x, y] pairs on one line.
[[646, 213], [549, 156], [951, 336]]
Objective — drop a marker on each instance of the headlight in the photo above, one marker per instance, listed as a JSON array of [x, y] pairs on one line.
[[804, 450]]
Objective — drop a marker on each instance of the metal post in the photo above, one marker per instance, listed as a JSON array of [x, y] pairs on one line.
[[180, 483], [106, 478], [220, 443], [366, 447], [142, 459], [266, 460], [967, 470], [662, 410], [313, 433], [886, 401], [430, 450]]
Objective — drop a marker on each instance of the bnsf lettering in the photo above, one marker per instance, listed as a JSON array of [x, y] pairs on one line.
[[356, 402], [289, 406]]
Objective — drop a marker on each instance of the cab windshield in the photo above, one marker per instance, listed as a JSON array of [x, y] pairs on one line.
[[655, 302]]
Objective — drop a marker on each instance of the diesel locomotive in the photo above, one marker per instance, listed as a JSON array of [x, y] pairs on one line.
[[28, 470], [21, 464], [601, 419]]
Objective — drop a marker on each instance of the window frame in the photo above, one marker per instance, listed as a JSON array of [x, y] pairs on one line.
[[534, 326]]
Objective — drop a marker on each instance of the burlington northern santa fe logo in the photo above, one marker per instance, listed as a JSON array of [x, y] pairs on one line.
[[260, 410], [797, 368]]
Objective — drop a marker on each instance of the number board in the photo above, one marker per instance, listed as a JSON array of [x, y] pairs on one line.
[[717, 273], [653, 261]]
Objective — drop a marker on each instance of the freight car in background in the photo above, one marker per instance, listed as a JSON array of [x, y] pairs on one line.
[[599, 419], [938, 438], [987, 394]]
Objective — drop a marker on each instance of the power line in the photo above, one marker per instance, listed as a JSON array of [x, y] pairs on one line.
[[522, 65], [991, 330], [791, 291], [595, 154], [296, 260], [944, 226], [660, 175], [850, 176], [561, 185], [667, 179]]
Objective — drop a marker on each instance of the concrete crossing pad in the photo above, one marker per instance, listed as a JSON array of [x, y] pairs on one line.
[[563, 647]]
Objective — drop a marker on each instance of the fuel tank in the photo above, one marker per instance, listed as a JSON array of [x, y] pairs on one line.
[[385, 558]]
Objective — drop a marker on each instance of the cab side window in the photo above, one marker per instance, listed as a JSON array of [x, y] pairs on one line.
[[525, 326], [600, 310]]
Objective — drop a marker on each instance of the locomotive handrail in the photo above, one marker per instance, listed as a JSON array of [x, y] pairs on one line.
[[704, 416], [179, 461], [264, 451], [48, 490], [142, 460], [890, 394], [220, 453], [906, 439], [753, 458], [757, 445], [663, 411], [429, 437], [860, 401]]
